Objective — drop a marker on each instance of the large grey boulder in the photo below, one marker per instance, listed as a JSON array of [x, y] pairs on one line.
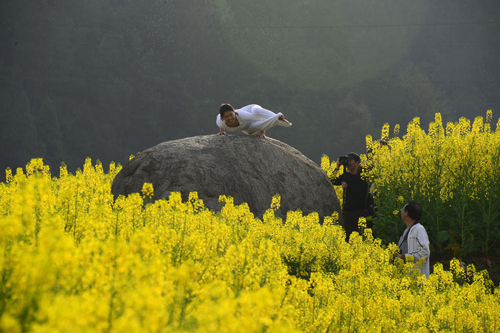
[[247, 168]]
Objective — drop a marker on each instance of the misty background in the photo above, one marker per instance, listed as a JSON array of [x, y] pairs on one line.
[[109, 78]]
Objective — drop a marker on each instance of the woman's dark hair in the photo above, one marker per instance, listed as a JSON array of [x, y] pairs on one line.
[[414, 210], [224, 108]]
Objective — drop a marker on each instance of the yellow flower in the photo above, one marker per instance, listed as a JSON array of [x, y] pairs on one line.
[[396, 129], [275, 204], [147, 191], [97, 264], [489, 116]]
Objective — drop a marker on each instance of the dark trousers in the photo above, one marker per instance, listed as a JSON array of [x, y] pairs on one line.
[[351, 221]]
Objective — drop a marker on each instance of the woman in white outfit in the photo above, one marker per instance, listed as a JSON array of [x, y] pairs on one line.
[[251, 119]]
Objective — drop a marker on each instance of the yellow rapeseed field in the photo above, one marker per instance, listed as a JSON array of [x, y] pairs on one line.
[[452, 171], [74, 260]]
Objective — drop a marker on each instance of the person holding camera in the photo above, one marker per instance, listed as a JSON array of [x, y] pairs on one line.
[[414, 240], [356, 198], [251, 119]]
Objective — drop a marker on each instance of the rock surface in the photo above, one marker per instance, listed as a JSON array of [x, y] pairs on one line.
[[247, 168]]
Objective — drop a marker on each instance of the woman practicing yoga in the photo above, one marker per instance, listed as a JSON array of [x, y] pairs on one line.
[[251, 119]]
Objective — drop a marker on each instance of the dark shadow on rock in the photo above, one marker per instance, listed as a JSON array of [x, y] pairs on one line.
[[247, 168]]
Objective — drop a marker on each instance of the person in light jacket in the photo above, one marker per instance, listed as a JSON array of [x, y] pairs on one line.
[[414, 240]]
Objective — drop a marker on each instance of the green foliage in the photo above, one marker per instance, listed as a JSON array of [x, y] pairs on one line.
[[453, 174]]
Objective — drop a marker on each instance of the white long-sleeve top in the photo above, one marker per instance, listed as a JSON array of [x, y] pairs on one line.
[[418, 246], [253, 119]]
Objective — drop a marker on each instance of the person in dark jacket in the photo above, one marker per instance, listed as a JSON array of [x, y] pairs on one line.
[[356, 195]]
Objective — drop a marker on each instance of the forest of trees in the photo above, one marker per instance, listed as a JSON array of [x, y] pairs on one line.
[[109, 78]]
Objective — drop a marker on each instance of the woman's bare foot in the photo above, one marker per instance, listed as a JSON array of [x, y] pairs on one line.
[[282, 118], [262, 134]]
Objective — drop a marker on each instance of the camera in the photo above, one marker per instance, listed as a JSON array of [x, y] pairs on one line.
[[343, 160]]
